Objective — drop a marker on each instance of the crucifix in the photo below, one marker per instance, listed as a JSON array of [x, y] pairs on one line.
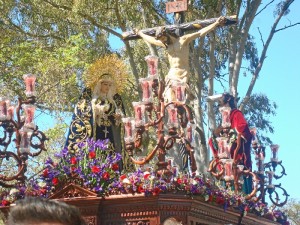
[[176, 43], [175, 39]]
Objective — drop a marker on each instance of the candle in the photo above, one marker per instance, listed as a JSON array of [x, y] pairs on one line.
[[10, 112], [128, 124], [24, 145], [29, 111], [228, 170], [274, 152], [146, 93], [270, 177], [152, 62], [180, 92], [254, 137], [146, 84], [29, 80], [225, 111], [139, 109], [189, 133], [172, 115], [3, 109]]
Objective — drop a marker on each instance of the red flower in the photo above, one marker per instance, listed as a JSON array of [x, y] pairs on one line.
[[43, 191], [95, 169], [105, 175], [122, 177], [156, 191], [179, 181], [55, 181], [73, 169], [45, 173], [73, 161], [146, 175], [115, 167], [140, 189], [5, 202], [220, 200], [92, 155]]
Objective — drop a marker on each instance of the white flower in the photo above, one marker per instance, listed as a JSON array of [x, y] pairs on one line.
[[13, 191], [126, 181], [42, 184]]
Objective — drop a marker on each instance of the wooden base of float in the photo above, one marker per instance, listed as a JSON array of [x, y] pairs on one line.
[[163, 209]]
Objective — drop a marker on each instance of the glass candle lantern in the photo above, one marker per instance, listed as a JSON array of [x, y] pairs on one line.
[[139, 109], [179, 91], [129, 128], [172, 116], [29, 80], [274, 153], [3, 109], [259, 157], [225, 111], [228, 175], [25, 139], [189, 132], [146, 84], [270, 175], [152, 62], [223, 148], [10, 112], [253, 131], [29, 116]]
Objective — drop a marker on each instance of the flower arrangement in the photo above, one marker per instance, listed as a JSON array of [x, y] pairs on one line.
[[95, 167]]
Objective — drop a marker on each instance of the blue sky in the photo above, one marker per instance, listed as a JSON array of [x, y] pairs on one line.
[[279, 80]]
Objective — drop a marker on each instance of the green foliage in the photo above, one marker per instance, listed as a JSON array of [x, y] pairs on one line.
[[292, 210], [258, 112]]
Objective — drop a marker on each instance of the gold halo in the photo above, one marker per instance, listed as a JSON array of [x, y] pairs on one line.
[[109, 64]]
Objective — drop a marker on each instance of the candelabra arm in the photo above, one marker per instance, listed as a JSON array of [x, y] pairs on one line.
[[276, 201], [255, 186], [148, 157], [42, 138], [214, 164], [20, 163]]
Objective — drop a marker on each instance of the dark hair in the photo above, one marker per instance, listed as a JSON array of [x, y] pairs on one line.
[[228, 98], [38, 210]]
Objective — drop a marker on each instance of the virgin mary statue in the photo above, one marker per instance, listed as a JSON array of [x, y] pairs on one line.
[[100, 108]]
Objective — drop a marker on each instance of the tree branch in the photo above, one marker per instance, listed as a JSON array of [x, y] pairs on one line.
[[287, 3], [265, 7], [85, 16], [286, 27]]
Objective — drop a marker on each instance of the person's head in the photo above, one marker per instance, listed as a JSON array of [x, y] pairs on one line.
[[105, 86], [228, 100], [39, 211], [163, 35]]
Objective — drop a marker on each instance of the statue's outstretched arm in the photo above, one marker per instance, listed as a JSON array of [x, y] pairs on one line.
[[150, 39], [190, 37]]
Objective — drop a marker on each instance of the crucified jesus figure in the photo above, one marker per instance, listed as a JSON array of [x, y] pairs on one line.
[[178, 52]]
